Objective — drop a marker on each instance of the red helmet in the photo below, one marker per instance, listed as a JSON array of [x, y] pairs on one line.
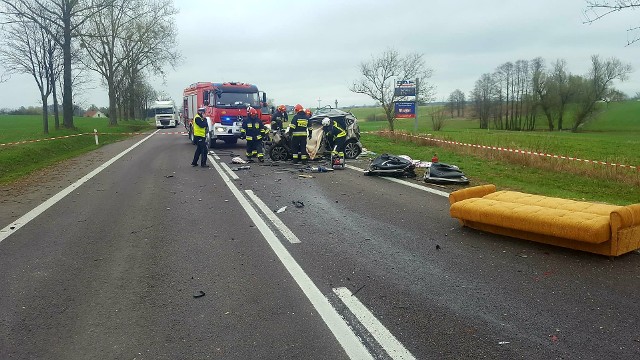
[[282, 108], [307, 111], [298, 108], [252, 112]]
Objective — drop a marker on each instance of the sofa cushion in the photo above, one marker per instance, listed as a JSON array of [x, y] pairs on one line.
[[552, 203], [574, 225]]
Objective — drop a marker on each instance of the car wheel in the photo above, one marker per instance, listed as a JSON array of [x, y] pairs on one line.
[[278, 153], [211, 143], [191, 138], [352, 149]]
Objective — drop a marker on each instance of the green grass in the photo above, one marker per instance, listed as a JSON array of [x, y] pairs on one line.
[[20, 160], [513, 176], [613, 135]]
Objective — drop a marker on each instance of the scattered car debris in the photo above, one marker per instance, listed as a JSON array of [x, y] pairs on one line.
[[438, 247], [391, 165], [281, 210], [246, 167], [298, 203], [305, 176], [320, 169], [503, 342], [168, 176], [199, 294], [238, 160]]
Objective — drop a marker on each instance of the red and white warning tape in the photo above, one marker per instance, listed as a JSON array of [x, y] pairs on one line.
[[75, 135], [515, 151]]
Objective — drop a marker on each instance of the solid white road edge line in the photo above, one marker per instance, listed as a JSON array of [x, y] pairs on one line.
[[350, 343], [284, 230], [416, 186], [389, 343], [228, 169], [23, 220]]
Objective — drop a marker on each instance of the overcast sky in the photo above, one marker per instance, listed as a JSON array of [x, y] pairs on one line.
[[301, 51]]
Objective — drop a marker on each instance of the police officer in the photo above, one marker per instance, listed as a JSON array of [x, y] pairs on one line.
[[336, 135], [279, 117], [299, 132], [199, 132], [253, 130]]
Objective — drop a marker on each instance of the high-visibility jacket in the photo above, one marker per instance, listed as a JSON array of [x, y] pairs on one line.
[[336, 131], [299, 124], [277, 120], [253, 129], [197, 129]]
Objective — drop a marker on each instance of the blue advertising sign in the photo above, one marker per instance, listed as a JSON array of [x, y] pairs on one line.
[[405, 88], [405, 109]]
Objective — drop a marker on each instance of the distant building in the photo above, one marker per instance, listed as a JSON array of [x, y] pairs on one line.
[[94, 114]]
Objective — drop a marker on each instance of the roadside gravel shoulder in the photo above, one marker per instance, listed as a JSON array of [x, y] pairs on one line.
[[19, 197]]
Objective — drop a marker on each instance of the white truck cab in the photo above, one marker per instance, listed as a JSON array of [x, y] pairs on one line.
[[165, 113]]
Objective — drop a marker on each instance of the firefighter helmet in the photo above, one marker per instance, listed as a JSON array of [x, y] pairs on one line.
[[282, 108], [298, 108], [308, 112], [252, 112], [326, 121]]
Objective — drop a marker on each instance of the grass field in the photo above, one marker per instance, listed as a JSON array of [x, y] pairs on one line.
[[612, 136], [19, 160]]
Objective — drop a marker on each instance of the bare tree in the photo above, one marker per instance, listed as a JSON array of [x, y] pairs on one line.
[[27, 48], [541, 86], [565, 86], [58, 17], [483, 96], [596, 10], [456, 103], [379, 76], [599, 82], [129, 36]]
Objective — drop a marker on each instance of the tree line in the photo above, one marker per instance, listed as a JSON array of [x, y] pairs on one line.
[[516, 93], [58, 41]]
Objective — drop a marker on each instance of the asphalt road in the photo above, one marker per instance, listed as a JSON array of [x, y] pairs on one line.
[[153, 259]]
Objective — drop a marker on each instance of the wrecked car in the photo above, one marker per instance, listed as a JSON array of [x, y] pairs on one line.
[[279, 145]]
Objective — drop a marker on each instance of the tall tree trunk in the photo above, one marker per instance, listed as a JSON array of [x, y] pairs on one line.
[[52, 76], [45, 114], [56, 112], [67, 96], [113, 114]]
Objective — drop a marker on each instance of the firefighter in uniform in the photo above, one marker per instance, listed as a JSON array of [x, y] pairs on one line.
[[336, 135], [253, 130], [299, 132], [199, 133], [279, 117]]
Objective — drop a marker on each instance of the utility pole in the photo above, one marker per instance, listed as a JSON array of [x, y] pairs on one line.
[[336, 103], [415, 123], [319, 103]]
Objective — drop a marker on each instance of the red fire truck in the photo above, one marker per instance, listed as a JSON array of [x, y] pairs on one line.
[[226, 106]]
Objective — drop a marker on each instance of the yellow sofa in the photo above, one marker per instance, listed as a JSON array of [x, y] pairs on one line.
[[598, 228]]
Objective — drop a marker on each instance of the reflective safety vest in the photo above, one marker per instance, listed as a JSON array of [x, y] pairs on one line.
[[338, 131], [298, 125], [253, 129], [197, 130]]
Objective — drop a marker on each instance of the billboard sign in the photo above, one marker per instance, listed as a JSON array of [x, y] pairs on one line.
[[405, 88], [405, 109]]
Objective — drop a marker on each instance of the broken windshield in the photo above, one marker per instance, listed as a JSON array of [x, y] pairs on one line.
[[236, 100]]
